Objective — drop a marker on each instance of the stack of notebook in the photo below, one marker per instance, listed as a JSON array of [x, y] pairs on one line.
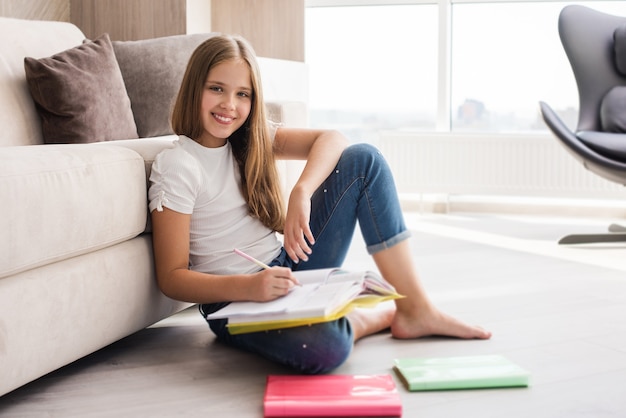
[[376, 395]]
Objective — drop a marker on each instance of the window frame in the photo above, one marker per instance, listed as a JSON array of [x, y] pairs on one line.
[[444, 45]]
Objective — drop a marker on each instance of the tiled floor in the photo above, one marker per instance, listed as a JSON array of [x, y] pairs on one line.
[[559, 312]]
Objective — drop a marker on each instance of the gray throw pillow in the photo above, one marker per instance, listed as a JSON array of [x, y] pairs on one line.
[[80, 94], [153, 70], [613, 110], [619, 48]]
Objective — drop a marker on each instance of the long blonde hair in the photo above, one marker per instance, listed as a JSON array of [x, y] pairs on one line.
[[251, 143]]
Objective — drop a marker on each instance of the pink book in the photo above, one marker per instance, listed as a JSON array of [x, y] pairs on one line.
[[331, 395]]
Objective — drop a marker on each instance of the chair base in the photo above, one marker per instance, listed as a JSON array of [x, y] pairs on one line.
[[617, 233]]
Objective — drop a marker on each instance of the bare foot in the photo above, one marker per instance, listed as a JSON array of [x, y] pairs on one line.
[[368, 321], [434, 322]]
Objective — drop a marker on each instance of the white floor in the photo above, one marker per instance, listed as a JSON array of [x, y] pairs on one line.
[[559, 312]]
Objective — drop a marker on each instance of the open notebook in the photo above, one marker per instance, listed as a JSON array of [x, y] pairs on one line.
[[325, 295]]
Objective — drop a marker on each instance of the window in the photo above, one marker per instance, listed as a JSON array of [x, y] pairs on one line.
[[505, 58], [372, 68], [375, 67]]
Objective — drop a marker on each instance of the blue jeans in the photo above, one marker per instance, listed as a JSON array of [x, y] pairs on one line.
[[360, 188]]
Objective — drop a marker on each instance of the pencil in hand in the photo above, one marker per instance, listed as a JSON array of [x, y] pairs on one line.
[[250, 258], [257, 262]]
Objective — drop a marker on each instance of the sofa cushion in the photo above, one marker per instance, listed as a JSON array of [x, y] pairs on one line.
[[67, 200], [153, 70], [80, 94]]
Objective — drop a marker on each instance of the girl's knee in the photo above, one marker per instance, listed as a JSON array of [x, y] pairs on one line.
[[363, 150], [365, 155]]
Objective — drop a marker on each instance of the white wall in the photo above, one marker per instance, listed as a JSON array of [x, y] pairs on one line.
[[198, 16]]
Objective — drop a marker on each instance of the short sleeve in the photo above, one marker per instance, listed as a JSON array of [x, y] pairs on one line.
[[175, 181]]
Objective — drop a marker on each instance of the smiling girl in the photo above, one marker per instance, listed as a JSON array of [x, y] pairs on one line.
[[219, 189]]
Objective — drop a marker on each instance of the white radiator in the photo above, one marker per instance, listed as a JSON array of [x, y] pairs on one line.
[[520, 165]]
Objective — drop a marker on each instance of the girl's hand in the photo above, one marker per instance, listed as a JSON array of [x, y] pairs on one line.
[[271, 283], [297, 226]]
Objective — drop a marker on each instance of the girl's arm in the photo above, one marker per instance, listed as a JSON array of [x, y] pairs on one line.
[[321, 149], [170, 236]]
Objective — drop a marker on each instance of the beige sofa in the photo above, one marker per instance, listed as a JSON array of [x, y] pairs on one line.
[[76, 266]]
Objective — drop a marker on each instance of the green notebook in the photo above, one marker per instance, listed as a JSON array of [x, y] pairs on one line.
[[469, 372]]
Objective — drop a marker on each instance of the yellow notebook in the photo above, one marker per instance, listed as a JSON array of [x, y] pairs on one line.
[[325, 295]]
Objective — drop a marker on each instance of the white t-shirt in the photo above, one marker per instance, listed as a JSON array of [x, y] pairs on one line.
[[204, 182]]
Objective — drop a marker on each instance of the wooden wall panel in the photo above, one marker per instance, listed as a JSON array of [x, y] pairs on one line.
[[129, 20], [36, 9], [274, 27]]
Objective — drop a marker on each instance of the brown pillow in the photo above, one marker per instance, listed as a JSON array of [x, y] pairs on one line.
[[152, 71], [80, 94]]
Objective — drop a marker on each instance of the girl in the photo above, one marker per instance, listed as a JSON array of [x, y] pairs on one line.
[[218, 189]]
